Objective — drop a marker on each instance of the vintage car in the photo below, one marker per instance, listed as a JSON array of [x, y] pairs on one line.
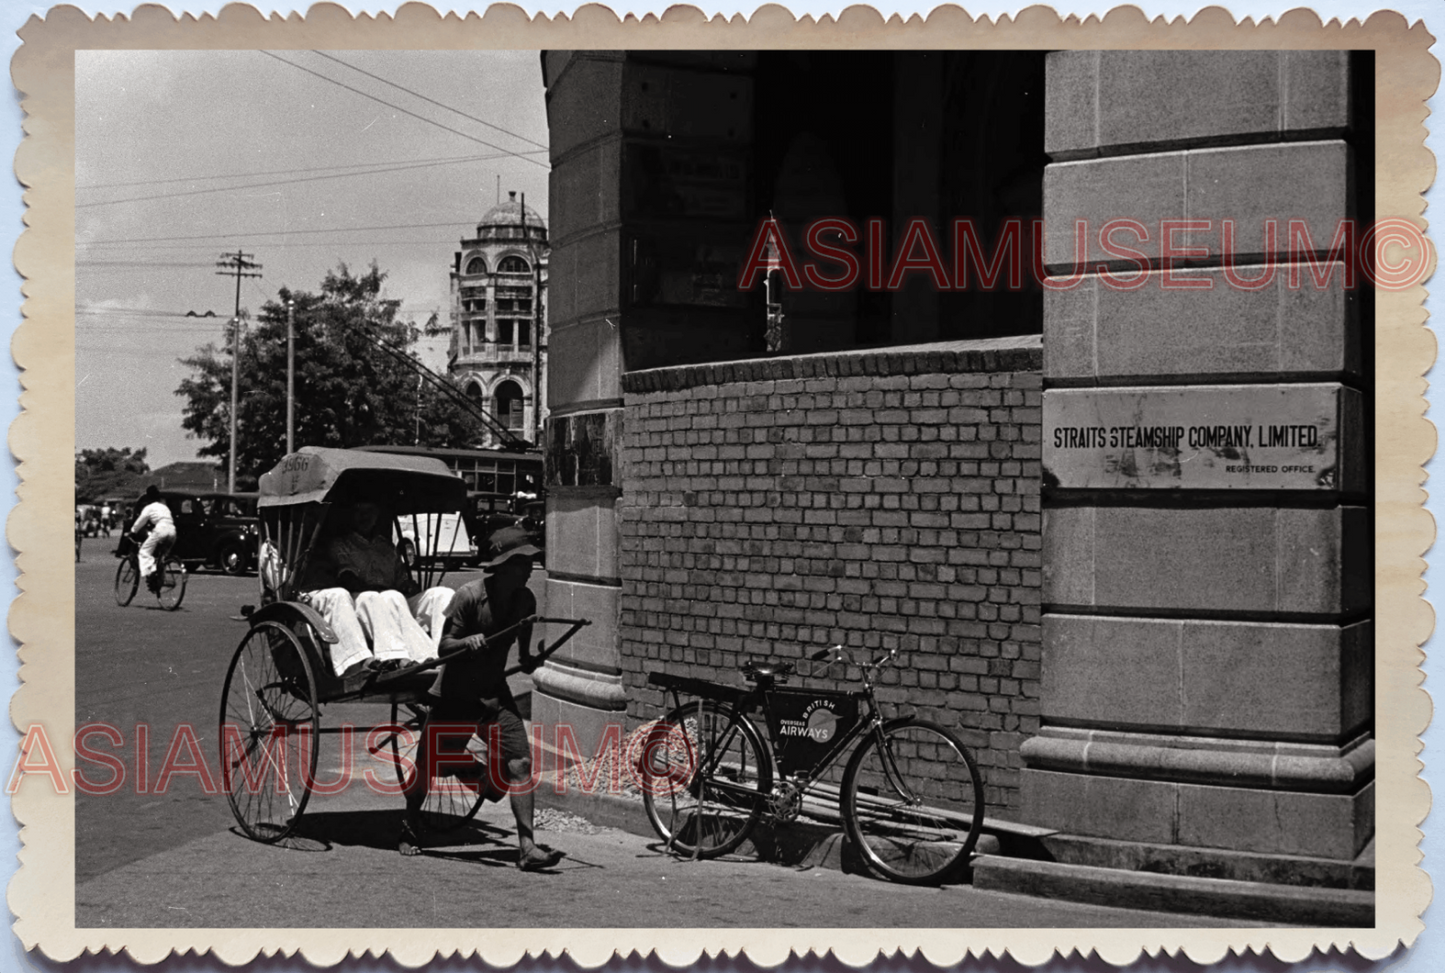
[[218, 530]]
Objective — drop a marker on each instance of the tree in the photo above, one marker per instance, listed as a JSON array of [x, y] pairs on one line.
[[348, 391], [109, 472]]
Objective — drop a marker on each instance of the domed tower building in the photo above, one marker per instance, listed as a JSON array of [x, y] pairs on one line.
[[499, 330]]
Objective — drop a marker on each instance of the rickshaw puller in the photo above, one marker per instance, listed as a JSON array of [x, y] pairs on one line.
[[471, 692], [156, 516]]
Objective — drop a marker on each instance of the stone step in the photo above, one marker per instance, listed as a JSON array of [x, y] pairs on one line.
[[1069, 849], [1225, 898]]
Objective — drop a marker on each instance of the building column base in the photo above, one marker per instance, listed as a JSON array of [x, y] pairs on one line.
[[1255, 797]]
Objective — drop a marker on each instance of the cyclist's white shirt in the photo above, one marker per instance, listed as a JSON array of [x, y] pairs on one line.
[[156, 516]]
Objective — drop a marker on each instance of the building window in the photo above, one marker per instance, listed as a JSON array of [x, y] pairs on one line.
[[504, 331], [513, 265], [509, 405], [476, 266], [524, 334], [474, 391]]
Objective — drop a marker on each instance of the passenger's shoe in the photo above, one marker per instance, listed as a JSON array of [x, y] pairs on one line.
[[360, 667]]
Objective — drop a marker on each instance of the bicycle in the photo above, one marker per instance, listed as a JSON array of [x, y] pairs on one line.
[[910, 798], [127, 576]]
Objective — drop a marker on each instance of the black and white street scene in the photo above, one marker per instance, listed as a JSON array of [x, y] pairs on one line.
[[724, 489]]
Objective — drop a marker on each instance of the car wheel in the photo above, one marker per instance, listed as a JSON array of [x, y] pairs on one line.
[[233, 559]]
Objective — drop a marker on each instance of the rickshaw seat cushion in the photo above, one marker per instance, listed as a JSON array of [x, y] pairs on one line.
[[287, 611]]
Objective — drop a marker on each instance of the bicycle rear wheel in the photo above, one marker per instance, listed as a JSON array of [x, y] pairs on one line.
[[173, 584], [705, 779], [912, 802], [127, 579]]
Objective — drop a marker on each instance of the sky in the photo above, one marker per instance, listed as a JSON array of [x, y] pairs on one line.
[[304, 160]]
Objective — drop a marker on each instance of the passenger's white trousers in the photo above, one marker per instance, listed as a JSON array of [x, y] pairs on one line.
[[395, 627]]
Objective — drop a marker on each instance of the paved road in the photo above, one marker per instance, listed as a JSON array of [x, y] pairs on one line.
[[176, 859]]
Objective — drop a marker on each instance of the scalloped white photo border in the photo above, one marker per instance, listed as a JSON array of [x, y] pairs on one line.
[[41, 620]]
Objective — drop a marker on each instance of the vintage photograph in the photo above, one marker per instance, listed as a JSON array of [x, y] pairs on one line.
[[961, 484], [588, 489]]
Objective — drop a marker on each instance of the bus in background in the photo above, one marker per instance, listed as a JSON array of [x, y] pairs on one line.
[[504, 488]]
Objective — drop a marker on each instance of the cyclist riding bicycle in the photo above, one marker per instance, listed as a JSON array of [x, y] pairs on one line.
[[156, 516]]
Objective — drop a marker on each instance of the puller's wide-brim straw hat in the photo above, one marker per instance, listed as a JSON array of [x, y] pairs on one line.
[[507, 543]]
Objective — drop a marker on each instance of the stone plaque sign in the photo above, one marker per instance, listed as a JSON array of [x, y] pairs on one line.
[[1249, 437]]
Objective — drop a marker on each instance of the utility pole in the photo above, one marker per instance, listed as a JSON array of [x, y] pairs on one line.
[[236, 265], [290, 377]]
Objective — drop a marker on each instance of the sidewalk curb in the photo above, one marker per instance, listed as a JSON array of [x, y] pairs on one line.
[[801, 844], [1224, 898]]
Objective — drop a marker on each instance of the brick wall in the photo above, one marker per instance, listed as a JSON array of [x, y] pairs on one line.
[[877, 499]]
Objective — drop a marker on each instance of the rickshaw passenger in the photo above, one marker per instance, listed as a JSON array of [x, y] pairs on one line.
[[369, 597]]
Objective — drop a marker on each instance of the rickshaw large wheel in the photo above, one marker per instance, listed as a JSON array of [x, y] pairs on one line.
[[269, 733], [449, 802], [127, 579], [173, 584]]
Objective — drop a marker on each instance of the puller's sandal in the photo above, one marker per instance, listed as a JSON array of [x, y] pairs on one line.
[[540, 857], [410, 842]]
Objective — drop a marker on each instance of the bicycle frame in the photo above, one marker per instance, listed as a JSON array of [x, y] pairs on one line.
[[742, 703]]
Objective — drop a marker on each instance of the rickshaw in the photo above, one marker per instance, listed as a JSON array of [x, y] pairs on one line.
[[281, 675]]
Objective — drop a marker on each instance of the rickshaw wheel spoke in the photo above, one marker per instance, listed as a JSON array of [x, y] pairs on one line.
[[449, 803], [269, 732]]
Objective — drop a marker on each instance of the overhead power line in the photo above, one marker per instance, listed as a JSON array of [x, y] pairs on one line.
[[404, 111], [451, 160], [148, 312], [509, 438], [138, 263], [272, 182], [432, 101], [128, 241]]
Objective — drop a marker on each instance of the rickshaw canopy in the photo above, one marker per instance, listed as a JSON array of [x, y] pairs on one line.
[[406, 484]]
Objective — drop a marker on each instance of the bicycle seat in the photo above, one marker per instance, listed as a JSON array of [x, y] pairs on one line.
[[767, 672]]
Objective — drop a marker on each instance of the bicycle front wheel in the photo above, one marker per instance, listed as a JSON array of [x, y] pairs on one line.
[[173, 585], [127, 578], [912, 802], [705, 779]]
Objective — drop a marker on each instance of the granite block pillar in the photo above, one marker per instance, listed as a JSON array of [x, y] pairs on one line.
[[649, 165], [1207, 656]]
